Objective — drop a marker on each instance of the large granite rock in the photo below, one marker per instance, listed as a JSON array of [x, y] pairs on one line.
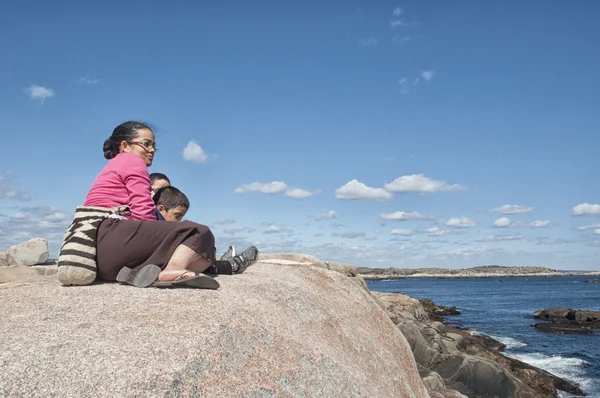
[[3, 260], [273, 331], [307, 260], [32, 252], [567, 321]]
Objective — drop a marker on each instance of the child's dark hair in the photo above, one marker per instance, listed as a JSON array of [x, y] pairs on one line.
[[158, 176], [170, 198]]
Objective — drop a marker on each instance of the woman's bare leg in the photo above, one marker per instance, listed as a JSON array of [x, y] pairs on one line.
[[183, 259]]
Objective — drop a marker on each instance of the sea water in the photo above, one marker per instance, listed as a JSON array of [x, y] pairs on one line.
[[503, 308]]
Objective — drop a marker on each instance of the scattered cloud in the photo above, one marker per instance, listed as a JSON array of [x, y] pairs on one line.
[[355, 190], [237, 230], [272, 229], [420, 183], [224, 221], [597, 231], [299, 193], [436, 231], [502, 222], [351, 235], [367, 42], [401, 40], [194, 153], [511, 209], [268, 188], [461, 222], [39, 93], [586, 227], [87, 80], [397, 11], [327, 216], [403, 232], [404, 85], [427, 75], [405, 216], [7, 191], [395, 23], [499, 238], [586, 209]]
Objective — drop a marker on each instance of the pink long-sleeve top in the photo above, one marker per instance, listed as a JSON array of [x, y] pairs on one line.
[[124, 181]]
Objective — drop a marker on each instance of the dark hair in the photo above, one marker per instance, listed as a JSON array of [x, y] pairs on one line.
[[171, 197], [123, 132], [158, 176]]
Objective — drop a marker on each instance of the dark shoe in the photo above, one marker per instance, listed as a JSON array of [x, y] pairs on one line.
[[142, 277], [245, 259], [229, 254]]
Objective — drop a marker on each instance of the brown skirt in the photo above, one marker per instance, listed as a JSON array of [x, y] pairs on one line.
[[133, 244]]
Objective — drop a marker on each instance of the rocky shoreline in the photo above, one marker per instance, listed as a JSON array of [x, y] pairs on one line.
[[472, 365], [488, 271]]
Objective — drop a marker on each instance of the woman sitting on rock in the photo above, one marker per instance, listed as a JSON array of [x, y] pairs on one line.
[[134, 247]]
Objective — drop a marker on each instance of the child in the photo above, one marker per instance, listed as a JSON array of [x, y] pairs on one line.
[[157, 181], [172, 205]]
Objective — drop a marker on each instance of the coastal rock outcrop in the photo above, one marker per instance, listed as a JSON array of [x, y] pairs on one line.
[[32, 252], [276, 330], [472, 365], [567, 320], [3, 260]]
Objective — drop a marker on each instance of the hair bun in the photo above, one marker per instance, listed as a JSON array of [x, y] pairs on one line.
[[109, 150]]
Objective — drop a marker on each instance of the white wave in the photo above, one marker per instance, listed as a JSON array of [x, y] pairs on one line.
[[571, 369], [508, 341]]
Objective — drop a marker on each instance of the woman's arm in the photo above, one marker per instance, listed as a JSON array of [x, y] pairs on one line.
[[137, 181]]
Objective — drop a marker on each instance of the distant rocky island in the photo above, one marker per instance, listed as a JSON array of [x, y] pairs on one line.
[[485, 271]]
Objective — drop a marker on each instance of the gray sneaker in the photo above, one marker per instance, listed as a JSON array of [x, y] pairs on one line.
[[229, 254], [245, 259]]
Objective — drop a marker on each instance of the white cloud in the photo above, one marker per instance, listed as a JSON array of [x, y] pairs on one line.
[[597, 231], [14, 194], [427, 74], [368, 42], [404, 86], [404, 216], [39, 93], [299, 193], [404, 232], [499, 238], [268, 188], [420, 183], [396, 23], [357, 190], [397, 11], [326, 216], [223, 221], [436, 231], [461, 222], [401, 41], [502, 222], [235, 230], [586, 209], [352, 235], [87, 80], [511, 209], [272, 229], [586, 227], [194, 153]]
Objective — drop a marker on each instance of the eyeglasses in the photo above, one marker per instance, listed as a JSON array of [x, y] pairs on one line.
[[147, 145]]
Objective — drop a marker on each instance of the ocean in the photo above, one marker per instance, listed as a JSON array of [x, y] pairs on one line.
[[503, 309]]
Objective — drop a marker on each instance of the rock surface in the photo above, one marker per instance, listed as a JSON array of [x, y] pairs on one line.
[[3, 260], [32, 252], [567, 320], [276, 330], [460, 363]]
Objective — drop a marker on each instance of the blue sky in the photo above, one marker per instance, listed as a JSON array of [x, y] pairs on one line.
[[408, 134]]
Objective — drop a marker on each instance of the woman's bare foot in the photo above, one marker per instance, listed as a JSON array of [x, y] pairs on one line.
[[171, 275]]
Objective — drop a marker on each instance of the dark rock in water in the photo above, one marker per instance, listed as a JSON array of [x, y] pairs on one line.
[[567, 320], [564, 328], [437, 312], [592, 281]]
